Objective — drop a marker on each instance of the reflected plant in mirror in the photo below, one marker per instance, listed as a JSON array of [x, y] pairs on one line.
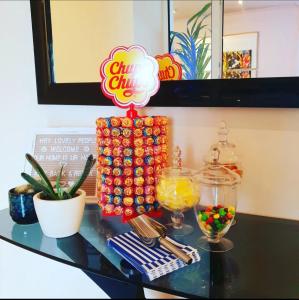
[[192, 47]]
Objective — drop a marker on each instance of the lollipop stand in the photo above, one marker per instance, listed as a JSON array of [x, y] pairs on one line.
[[131, 152]]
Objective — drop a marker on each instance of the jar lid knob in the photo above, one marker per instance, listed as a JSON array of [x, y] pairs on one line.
[[177, 158], [222, 131], [215, 155]]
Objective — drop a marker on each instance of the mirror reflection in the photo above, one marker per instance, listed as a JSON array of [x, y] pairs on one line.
[[84, 33], [260, 38]]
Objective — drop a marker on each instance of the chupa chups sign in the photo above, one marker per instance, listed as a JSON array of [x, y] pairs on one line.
[[169, 69], [129, 77]]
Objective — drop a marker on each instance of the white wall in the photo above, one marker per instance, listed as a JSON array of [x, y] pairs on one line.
[[267, 139], [278, 30]]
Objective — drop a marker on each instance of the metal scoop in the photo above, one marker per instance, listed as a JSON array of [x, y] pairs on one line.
[[152, 232]]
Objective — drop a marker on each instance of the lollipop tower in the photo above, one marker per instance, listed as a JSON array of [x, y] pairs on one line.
[[132, 150], [131, 153]]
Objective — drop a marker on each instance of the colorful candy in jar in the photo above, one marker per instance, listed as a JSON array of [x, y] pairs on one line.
[[214, 220]]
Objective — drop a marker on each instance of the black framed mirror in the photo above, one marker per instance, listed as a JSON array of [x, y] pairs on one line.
[[253, 92]]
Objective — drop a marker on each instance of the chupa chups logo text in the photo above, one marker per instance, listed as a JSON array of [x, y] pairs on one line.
[[129, 76], [169, 69], [120, 78]]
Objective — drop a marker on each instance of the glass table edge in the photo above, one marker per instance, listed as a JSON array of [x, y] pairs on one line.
[[123, 277], [83, 268]]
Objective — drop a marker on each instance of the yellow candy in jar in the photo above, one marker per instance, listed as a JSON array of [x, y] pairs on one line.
[[177, 193]]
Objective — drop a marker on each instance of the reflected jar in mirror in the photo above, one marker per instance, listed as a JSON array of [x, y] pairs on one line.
[[217, 207]]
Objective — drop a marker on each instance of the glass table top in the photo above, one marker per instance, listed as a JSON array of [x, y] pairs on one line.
[[264, 262]]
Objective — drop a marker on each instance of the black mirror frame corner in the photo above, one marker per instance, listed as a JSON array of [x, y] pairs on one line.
[[254, 92]]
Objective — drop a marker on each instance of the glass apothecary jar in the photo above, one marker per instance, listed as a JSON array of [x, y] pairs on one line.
[[217, 207], [177, 190]]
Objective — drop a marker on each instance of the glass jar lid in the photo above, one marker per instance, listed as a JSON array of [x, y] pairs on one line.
[[217, 174], [178, 172], [227, 154]]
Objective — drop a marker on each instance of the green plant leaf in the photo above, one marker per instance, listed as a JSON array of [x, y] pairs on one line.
[[59, 190], [202, 58], [39, 186], [198, 26], [39, 171], [197, 31], [199, 14], [66, 195], [88, 166], [195, 19], [202, 52], [207, 75], [203, 67]]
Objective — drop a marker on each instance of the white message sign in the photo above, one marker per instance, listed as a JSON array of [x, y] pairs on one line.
[[70, 148]]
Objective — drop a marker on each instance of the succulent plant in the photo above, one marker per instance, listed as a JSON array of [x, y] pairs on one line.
[[45, 185]]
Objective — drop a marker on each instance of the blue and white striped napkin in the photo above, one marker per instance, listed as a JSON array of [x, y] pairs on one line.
[[154, 262]]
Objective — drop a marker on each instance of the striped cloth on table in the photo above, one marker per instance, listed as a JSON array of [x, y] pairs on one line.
[[154, 262]]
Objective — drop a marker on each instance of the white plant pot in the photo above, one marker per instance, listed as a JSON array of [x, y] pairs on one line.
[[60, 218]]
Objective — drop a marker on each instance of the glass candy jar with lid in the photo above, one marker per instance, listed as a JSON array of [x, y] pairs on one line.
[[217, 207], [227, 151], [177, 191]]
